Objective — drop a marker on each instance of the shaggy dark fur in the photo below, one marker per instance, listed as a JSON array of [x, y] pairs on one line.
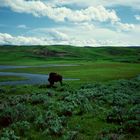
[[54, 77]]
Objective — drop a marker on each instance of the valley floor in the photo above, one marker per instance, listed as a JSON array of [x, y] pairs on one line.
[[87, 72], [103, 105]]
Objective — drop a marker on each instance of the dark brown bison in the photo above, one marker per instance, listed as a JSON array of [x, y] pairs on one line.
[[54, 77]]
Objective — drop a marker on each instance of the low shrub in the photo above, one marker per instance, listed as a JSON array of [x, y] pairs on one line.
[[21, 128], [8, 134]]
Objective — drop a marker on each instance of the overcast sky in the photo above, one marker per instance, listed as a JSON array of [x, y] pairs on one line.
[[73, 22]]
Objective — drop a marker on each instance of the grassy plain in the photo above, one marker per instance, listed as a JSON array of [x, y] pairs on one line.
[[77, 110], [90, 112], [89, 72], [93, 64], [11, 78]]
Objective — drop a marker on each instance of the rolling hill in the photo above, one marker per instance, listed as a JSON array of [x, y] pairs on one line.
[[32, 55]]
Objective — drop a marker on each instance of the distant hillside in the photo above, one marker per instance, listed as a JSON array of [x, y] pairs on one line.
[[57, 52]]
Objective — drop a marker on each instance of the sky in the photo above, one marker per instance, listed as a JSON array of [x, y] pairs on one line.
[[70, 22]]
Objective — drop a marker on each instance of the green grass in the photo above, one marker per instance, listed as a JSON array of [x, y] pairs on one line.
[[89, 104], [100, 64], [101, 71], [11, 78], [39, 55], [92, 124]]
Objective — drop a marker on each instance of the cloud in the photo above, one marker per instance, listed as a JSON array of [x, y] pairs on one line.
[[107, 3], [92, 24], [53, 37], [49, 33], [61, 14], [137, 17], [6, 39], [83, 34], [22, 26], [20, 40], [124, 26]]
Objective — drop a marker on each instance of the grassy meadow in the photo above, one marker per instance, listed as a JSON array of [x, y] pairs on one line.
[[102, 105], [89, 72], [93, 64], [11, 78]]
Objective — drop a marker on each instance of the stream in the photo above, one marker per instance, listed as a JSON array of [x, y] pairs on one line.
[[31, 78]]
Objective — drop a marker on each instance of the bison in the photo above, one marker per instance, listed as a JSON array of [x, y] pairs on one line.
[[54, 77]]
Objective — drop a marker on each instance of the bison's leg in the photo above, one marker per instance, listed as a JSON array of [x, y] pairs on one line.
[[51, 82]]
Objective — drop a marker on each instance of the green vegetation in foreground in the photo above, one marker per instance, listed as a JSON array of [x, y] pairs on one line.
[[11, 78], [101, 71], [40, 55], [90, 112]]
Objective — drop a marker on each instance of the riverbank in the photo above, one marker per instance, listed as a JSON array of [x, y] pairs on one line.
[[89, 72], [4, 78], [28, 78]]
